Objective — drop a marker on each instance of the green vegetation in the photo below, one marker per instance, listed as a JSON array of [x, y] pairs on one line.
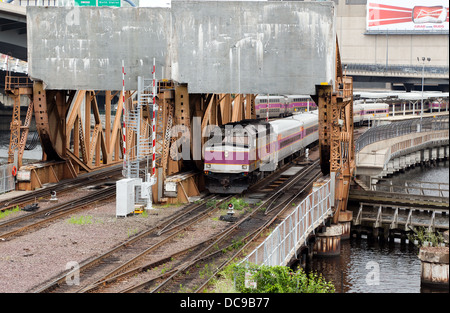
[[81, 220], [270, 279], [238, 203], [5, 213], [425, 237]]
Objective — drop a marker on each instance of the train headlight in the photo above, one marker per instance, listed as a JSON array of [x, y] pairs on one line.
[[244, 167], [227, 154], [208, 165]]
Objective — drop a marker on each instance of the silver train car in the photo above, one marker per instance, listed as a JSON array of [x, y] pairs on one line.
[[282, 106], [364, 112], [246, 152]]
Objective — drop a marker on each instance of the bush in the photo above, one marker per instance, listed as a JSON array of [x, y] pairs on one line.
[[238, 203], [276, 279], [426, 238]]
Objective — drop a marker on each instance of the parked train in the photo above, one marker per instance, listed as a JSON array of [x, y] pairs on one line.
[[245, 152], [282, 106], [438, 106], [364, 112]]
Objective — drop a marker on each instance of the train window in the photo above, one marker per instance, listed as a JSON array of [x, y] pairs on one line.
[[287, 142], [236, 140]]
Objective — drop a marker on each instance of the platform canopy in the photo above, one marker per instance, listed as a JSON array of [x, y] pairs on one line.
[[249, 47]]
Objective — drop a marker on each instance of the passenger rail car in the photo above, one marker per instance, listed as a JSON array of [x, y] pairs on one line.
[[282, 106], [245, 153], [437, 106], [363, 112]]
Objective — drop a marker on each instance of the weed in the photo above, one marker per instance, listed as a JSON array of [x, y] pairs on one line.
[[238, 203], [132, 232], [5, 213], [211, 203], [81, 220]]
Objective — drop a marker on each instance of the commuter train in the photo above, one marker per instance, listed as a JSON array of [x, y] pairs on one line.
[[437, 106], [242, 153], [282, 106], [364, 112]]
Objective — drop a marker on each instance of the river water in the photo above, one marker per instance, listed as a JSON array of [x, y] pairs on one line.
[[370, 267]]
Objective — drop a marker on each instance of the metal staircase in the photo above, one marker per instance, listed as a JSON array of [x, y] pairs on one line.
[[138, 126]]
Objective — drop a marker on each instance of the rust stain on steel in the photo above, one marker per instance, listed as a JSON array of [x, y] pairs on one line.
[[42, 123], [328, 246]]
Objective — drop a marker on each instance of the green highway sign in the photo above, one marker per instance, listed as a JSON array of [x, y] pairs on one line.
[[97, 3], [86, 3], [108, 3]]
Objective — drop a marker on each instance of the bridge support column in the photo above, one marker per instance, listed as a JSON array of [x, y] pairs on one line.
[[328, 243], [345, 220], [441, 155], [435, 266]]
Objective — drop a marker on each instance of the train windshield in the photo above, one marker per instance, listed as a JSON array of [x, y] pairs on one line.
[[235, 140], [238, 137]]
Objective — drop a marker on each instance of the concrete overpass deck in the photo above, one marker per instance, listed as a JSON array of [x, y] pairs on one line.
[[386, 149]]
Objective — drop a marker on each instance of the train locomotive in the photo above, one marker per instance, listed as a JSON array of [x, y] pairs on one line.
[[239, 154]]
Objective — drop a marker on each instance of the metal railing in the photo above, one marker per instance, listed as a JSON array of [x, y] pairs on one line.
[[396, 129], [47, 3], [397, 69], [285, 240], [14, 82], [10, 64]]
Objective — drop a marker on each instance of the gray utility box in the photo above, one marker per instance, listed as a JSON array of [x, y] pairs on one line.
[[125, 190]]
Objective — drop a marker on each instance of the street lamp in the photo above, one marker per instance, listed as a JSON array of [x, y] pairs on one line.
[[423, 78]]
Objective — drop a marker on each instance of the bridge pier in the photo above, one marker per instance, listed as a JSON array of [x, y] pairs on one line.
[[345, 220], [328, 242], [434, 266]]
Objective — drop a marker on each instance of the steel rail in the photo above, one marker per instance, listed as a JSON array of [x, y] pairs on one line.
[[226, 232], [63, 186], [254, 235], [57, 211], [88, 264], [155, 246]]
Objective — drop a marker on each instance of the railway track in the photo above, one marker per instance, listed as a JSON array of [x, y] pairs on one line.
[[129, 253], [25, 223], [62, 187], [192, 268], [241, 235]]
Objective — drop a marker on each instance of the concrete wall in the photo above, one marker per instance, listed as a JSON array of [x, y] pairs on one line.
[[215, 47], [357, 47]]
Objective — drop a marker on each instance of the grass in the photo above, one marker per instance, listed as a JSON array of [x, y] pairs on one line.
[[238, 203], [80, 220], [5, 213]]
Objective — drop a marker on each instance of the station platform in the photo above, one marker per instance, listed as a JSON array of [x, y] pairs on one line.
[[399, 116]]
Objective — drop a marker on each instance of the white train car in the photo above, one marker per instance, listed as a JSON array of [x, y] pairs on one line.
[[300, 103], [275, 104], [363, 112], [241, 158], [357, 109]]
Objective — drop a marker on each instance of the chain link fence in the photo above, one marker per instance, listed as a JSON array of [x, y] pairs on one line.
[[396, 129]]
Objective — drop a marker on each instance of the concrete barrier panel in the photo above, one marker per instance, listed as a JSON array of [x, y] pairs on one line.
[[214, 46]]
